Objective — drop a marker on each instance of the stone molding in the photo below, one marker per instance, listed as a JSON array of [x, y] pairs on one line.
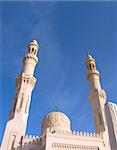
[[73, 146], [30, 57], [26, 79], [92, 73], [101, 93]]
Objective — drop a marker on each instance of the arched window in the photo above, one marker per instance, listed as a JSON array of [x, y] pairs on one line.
[[90, 66], [32, 49], [93, 66]]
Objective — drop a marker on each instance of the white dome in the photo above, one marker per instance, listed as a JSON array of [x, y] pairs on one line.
[[34, 42], [57, 121]]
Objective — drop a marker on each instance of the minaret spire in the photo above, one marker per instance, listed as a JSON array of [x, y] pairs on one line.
[[25, 82], [93, 74], [97, 94], [97, 98]]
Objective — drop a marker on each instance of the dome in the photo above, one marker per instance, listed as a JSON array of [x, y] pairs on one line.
[[56, 120], [34, 42]]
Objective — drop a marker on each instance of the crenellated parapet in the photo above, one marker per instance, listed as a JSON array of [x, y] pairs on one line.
[[30, 142], [86, 134], [30, 139], [74, 133]]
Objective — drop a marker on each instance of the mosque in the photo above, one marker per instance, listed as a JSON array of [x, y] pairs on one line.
[[56, 132]]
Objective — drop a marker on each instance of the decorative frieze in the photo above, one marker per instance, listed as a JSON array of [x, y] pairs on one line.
[[61, 146]]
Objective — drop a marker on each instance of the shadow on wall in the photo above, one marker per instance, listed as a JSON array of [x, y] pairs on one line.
[[111, 117], [33, 144]]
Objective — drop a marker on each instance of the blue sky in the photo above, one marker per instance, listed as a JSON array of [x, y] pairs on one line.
[[66, 31]]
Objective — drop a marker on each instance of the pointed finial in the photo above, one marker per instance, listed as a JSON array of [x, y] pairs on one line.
[[88, 53], [89, 56]]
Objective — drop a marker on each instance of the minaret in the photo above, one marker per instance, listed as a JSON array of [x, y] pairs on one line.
[[25, 82], [97, 95]]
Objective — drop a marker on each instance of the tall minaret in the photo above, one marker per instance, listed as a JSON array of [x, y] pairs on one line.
[[25, 82], [97, 95]]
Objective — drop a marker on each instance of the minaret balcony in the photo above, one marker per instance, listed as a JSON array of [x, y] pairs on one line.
[[93, 73], [30, 57]]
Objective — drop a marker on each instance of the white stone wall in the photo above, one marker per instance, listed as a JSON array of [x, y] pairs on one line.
[[74, 140], [63, 140], [111, 117]]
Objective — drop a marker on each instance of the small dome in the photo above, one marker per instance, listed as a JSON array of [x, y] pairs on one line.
[[57, 121], [34, 42]]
